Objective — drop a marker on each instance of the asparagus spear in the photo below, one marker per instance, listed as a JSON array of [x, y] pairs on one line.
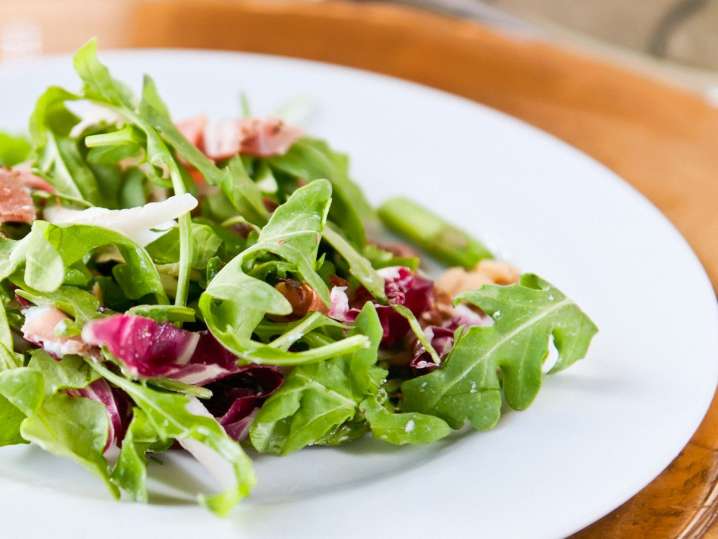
[[444, 241]]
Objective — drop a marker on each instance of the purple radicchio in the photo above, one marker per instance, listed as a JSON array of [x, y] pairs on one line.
[[236, 398], [402, 287], [116, 404], [441, 339], [150, 349], [414, 291]]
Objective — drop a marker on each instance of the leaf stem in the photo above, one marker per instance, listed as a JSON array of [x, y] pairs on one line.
[[154, 140], [274, 356]]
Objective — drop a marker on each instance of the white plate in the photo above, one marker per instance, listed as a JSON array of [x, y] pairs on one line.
[[596, 434]]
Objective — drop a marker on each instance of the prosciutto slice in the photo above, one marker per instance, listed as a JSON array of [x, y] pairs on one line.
[[225, 138], [16, 204], [41, 326]]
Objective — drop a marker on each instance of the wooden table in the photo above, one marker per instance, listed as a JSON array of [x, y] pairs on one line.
[[662, 140]]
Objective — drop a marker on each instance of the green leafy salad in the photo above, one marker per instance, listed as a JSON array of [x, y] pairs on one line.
[[221, 287]]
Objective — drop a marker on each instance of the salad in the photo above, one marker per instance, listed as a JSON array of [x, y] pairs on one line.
[[222, 287]]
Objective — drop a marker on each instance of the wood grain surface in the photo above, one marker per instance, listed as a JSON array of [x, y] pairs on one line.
[[662, 140]]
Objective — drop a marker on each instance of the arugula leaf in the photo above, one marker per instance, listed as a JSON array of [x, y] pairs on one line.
[[72, 427], [205, 243], [132, 192], [10, 420], [170, 417], [164, 313], [44, 267], [130, 471], [242, 192], [70, 164], [155, 112], [316, 399], [312, 159], [101, 88], [312, 401], [24, 388], [50, 115], [403, 428], [526, 316], [319, 403], [21, 393], [60, 424], [14, 149], [296, 331], [8, 358], [12, 254], [5, 333], [58, 157], [348, 431], [359, 266], [69, 372], [98, 83], [49, 249], [237, 186], [176, 386], [234, 302], [268, 329], [78, 303], [294, 231]]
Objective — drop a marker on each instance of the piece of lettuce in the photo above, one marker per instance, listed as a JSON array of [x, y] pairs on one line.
[[130, 471], [100, 88], [359, 266], [72, 427], [235, 302], [14, 149], [64, 425], [311, 159], [316, 402], [170, 417], [506, 357], [49, 250]]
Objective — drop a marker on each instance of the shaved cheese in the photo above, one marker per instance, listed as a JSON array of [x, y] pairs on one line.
[[143, 224]]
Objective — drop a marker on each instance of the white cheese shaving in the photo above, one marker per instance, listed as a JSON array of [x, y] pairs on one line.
[[142, 225]]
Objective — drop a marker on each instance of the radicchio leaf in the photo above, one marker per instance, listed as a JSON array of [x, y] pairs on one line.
[[236, 398], [150, 349], [441, 339], [402, 287]]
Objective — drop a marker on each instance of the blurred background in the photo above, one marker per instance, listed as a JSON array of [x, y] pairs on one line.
[[676, 40]]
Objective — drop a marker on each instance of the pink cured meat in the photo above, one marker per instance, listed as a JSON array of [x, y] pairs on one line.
[[40, 328], [16, 204], [222, 139]]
